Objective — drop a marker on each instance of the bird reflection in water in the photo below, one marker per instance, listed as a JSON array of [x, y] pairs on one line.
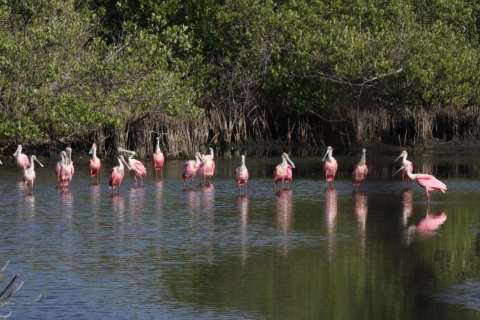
[[67, 203], [331, 210], [192, 197], [208, 198], [118, 206], [136, 199], [159, 195], [428, 226], [95, 196], [284, 217], [407, 204], [208, 204], [29, 206], [361, 211], [21, 187], [242, 210]]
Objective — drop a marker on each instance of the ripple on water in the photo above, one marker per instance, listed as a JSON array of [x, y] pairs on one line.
[[466, 294]]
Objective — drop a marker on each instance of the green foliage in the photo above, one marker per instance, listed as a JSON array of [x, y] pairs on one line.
[[70, 65], [24, 129], [59, 79], [319, 54]]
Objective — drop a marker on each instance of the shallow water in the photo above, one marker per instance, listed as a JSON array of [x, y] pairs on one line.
[[311, 252]]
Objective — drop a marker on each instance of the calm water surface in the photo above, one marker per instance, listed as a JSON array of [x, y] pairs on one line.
[[311, 252]]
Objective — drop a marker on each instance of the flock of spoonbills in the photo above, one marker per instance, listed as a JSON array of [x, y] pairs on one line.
[[427, 181], [204, 165]]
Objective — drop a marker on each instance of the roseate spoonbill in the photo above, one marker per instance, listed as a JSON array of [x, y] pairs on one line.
[[289, 176], [330, 166], [429, 182], [158, 159], [283, 172], [67, 169], [360, 171], [58, 167], [94, 164], [136, 166], [241, 176], [68, 150], [190, 168], [404, 155], [29, 173], [207, 167], [116, 174], [21, 158]]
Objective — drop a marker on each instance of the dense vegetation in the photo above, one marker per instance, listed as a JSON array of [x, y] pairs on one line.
[[208, 71]]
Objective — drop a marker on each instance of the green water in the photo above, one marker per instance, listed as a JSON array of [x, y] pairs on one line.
[[164, 252]]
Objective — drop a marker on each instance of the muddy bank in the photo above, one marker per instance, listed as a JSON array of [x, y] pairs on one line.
[[51, 151]]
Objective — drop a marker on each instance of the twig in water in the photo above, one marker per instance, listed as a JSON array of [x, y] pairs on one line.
[[9, 285]]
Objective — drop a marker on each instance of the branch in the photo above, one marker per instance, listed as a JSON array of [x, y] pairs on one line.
[[9, 285], [383, 76], [376, 78], [140, 119], [323, 118]]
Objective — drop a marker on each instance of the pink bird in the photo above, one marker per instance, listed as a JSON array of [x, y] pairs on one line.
[[190, 169], [67, 169], [158, 159], [58, 167], [207, 167], [29, 174], [116, 174], [330, 166], [136, 166], [360, 171], [405, 177], [429, 182], [283, 172], [22, 159], [241, 176], [94, 164]]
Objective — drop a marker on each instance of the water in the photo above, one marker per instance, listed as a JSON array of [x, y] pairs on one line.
[[165, 252]]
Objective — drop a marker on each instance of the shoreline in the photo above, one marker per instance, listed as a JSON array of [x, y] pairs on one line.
[[435, 146]]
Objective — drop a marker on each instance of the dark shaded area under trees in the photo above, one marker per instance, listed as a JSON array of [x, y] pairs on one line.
[[247, 72]]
